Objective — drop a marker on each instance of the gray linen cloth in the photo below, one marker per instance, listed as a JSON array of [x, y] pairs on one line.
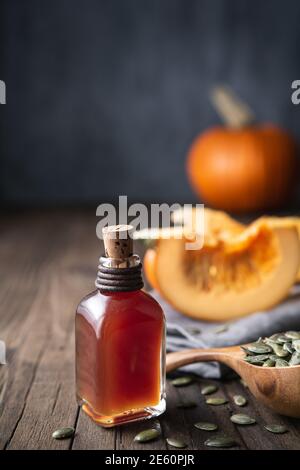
[[184, 332]]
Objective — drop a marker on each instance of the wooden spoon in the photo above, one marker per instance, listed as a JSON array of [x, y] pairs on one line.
[[276, 387]]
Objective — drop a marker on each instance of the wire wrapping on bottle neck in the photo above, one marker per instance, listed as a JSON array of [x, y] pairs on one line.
[[114, 279]]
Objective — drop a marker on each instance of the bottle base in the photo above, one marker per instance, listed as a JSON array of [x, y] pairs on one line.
[[126, 417]]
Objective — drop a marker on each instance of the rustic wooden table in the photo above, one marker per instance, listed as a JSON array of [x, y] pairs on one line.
[[48, 261]]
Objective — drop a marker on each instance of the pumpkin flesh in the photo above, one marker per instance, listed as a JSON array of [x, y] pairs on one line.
[[251, 272]]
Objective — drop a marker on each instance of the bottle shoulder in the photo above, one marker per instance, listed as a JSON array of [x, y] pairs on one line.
[[96, 304]]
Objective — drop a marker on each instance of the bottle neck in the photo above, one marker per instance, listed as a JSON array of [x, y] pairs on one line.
[[119, 275]]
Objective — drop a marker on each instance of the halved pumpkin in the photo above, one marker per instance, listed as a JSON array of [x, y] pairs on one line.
[[247, 272]]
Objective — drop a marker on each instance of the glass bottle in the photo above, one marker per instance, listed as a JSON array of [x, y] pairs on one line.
[[120, 340]]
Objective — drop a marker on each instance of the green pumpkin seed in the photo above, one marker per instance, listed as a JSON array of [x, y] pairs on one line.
[[220, 441], [239, 400], [279, 351], [242, 419], [256, 360], [296, 344], [259, 348], [276, 428], [63, 433], [182, 381], [187, 404], [208, 389], [281, 363], [273, 337], [288, 347], [206, 426], [147, 435], [293, 334], [284, 348], [216, 401], [269, 363], [175, 442], [295, 359], [282, 339]]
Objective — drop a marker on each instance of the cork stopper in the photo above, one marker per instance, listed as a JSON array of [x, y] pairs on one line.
[[118, 241]]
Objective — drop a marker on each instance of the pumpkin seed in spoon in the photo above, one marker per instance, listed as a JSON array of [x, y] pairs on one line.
[[293, 334], [259, 348], [269, 363], [242, 419], [281, 363], [295, 359]]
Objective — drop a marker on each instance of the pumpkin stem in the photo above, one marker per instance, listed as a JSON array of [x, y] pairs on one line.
[[233, 111]]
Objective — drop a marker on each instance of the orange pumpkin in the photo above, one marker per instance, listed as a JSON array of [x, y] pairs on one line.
[[149, 267], [242, 167]]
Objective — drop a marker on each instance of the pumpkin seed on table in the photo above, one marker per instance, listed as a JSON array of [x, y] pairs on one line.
[[186, 404], [206, 426], [147, 435], [220, 441], [216, 401], [175, 442], [63, 433], [276, 428], [182, 381], [239, 400], [208, 389], [242, 419]]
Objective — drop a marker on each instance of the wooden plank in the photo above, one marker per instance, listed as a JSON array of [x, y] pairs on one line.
[[214, 414], [174, 422], [54, 266], [256, 436], [48, 351]]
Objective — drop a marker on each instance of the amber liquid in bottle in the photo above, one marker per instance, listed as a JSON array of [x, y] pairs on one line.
[[120, 350]]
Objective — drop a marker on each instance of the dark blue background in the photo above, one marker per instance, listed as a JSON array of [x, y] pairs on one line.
[[105, 96]]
